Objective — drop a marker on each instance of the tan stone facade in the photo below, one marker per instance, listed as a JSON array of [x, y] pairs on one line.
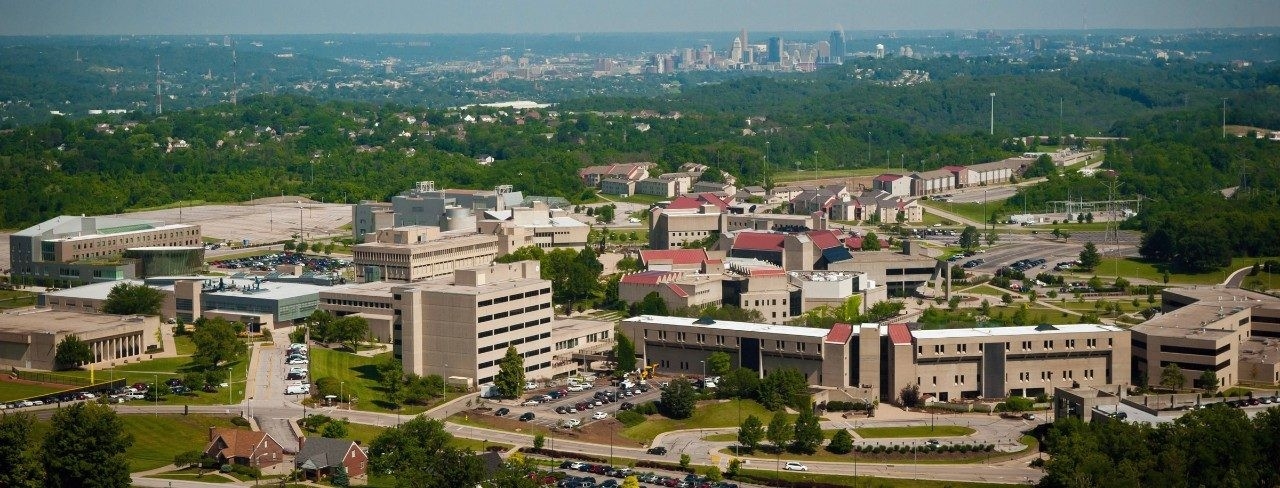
[[414, 253], [30, 340]]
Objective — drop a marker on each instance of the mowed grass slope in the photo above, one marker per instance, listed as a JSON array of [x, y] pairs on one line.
[[706, 416], [158, 438], [912, 432]]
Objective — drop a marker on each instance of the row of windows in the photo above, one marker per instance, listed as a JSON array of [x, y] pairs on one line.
[[139, 238], [528, 354], [527, 369], [1026, 346], [518, 311], [356, 303], [513, 328], [516, 296], [514, 342]]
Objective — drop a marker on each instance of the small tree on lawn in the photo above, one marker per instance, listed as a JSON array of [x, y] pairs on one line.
[[624, 353], [1172, 377], [910, 395], [678, 399], [780, 431], [1089, 257], [339, 477], [841, 442], [539, 440], [750, 433], [1209, 381], [684, 461], [808, 432]]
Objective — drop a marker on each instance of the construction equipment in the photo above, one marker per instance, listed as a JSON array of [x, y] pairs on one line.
[[647, 371]]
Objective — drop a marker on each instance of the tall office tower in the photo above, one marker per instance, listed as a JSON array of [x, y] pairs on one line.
[[880, 51], [743, 57], [824, 52], [735, 54], [775, 50], [837, 46], [687, 60]]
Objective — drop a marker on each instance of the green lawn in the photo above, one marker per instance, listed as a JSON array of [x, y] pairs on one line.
[[164, 368], [785, 176], [17, 391], [1131, 268], [707, 416], [984, 289], [971, 211], [733, 437], [184, 345], [791, 477], [360, 374], [16, 299], [209, 477], [158, 438], [920, 431]]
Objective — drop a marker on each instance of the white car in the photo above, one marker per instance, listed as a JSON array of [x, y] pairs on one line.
[[571, 423], [297, 361], [529, 385], [575, 388], [600, 415], [794, 466], [530, 403]]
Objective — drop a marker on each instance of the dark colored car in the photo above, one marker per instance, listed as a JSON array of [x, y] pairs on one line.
[[502, 411], [658, 451], [526, 417]]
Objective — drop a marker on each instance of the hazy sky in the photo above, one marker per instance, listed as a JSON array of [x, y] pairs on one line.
[[38, 17]]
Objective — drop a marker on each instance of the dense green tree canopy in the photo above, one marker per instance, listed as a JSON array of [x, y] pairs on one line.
[[72, 352], [87, 449], [131, 299]]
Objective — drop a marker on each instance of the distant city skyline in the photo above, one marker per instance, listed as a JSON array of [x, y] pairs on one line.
[[168, 17]]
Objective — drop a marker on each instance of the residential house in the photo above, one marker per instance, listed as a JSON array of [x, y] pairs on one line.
[[318, 457], [243, 447], [593, 175]]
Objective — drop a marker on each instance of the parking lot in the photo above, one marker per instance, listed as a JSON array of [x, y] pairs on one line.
[[545, 413]]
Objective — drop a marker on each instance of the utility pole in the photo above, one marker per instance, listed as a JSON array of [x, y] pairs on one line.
[[1224, 117], [992, 130], [160, 96]]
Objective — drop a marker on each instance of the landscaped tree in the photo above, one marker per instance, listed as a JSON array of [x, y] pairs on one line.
[[335, 430], [780, 431], [910, 395], [130, 299], [89, 444], [738, 383], [651, 304], [510, 377], [750, 433], [72, 352], [391, 379], [1172, 377], [784, 387], [678, 399], [339, 476], [348, 330], [871, 242], [19, 456], [417, 455], [1209, 381], [992, 237], [1089, 257], [631, 482], [624, 353], [216, 341], [970, 238], [187, 459], [808, 436], [841, 442], [719, 363]]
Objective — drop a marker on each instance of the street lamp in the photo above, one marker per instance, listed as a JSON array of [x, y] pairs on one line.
[[993, 113], [342, 389], [229, 387], [704, 371], [156, 395]]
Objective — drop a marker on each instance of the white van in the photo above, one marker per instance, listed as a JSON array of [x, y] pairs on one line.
[[297, 389]]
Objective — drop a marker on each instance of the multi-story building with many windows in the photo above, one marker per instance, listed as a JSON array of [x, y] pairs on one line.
[[78, 250], [461, 326], [414, 253]]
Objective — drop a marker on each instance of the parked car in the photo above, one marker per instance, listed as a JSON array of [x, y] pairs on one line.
[[502, 411], [526, 417], [794, 466], [600, 415], [658, 451]]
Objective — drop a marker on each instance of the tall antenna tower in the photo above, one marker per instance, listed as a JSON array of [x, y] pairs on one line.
[[234, 85], [159, 93]]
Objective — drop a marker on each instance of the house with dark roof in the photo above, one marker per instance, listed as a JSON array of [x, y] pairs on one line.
[[318, 457], [244, 447]]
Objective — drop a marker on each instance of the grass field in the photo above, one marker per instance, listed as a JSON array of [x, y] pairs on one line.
[[785, 176], [360, 373], [157, 439], [184, 344], [984, 289], [971, 211], [706, 416], [915, 431], [16, 391], [1131, 268], [791, 477], [164, 368], [16, 299], [733, 437]]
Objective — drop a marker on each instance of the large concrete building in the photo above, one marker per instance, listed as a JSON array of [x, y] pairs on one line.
[[425, 205], [460, 326], [1229, 331], [419, 252], [29, 340], [256, 303], [536, 225], [879, 361], [79, 250]]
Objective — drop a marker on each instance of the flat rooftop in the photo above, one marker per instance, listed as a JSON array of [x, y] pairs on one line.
[[450, 238], [141, 228], [93, 291], [1013, 331], [567, 327], [381, 289], [727, 325], [446, 284], [48, 321], [1204, 317], [272, 290]]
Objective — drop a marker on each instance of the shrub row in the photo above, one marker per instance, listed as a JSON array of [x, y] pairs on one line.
[[840, 406], [904, 449]]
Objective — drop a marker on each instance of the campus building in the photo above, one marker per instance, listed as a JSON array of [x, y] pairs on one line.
[[256, 303], [1229, 331], [370, 301], [879, 361], [448, 209], [414, 253], [536, 224], [79, 250], [29, 340]]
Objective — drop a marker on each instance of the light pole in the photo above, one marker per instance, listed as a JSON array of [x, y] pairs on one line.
[[993, 114], [156, 395], [1224, 117], [229, 387], [342, 389], [704, 371]]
